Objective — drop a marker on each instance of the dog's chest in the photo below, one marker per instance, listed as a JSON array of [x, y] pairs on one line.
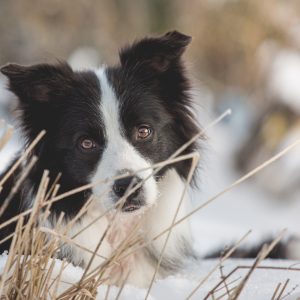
[[114, 238]]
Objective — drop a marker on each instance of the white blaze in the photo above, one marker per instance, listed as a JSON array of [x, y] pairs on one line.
[[119, 154]]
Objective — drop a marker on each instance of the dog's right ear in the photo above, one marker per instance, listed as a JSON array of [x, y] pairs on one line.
[[34, 83], [155, 53]]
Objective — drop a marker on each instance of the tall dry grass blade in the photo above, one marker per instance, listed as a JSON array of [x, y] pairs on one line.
[[94, 253], [22, 157], [17, 185], [10, 257], [9, 130], [81, 212], [68, 240], [57, 280], [223, 278], [276, 291], [283, 289], [2, 123], [290, 292], [54, 186], [222, 260], [69, 225], [102, 268], [249, 267], [122, 287], [261, 256], [226, 294], [215, 290], [114, 260], [201, 133], [194, 164], [107, 292]]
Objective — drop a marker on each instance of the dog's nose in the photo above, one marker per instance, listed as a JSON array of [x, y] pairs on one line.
[[126, 184]]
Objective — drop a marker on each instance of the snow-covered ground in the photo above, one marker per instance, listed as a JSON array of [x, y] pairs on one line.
[[261, 285], [246, 207]]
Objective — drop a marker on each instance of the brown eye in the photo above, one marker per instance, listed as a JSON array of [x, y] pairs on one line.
[[143, 132], [87, 144]]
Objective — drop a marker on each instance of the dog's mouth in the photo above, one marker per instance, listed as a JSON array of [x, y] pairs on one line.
[[132, 205]]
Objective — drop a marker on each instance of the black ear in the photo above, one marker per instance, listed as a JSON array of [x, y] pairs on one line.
[[156, 53], [33, 83]]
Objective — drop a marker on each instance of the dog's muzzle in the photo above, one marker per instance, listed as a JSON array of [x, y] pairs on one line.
[[123, 187]]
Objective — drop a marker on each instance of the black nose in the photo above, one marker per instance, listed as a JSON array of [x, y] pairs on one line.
[[122, 185]]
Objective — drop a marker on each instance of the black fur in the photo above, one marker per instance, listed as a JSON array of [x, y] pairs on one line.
[[279, 251], [151, 78]]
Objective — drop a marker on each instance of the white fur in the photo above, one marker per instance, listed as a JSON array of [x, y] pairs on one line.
[[160, 216], [27, 196]]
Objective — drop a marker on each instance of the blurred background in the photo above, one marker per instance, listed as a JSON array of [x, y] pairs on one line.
[[245, 55]]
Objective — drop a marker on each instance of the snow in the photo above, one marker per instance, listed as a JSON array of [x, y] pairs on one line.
[[84, 58], [246, 207], [284, 80], [6, 99], [261, 285]]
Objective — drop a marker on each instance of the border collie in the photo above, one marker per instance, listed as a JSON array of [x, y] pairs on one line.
[[104, 123]]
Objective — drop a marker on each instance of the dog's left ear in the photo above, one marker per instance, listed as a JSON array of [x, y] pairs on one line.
[[156, 54]]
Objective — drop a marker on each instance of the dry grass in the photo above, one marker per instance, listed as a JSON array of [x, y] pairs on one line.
[[31, 272]]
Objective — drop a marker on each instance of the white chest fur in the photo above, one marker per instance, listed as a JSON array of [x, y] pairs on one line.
[[126, 230]]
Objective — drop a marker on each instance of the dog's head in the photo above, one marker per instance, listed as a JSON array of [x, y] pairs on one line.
[[114, 121]]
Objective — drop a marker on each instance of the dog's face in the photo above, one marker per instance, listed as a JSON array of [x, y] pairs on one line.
[[112, 121]]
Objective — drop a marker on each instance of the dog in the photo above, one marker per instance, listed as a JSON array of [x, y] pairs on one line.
[[111, 122]]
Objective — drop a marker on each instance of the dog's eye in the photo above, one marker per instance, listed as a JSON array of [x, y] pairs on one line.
[[143, 132], [87, 144]]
